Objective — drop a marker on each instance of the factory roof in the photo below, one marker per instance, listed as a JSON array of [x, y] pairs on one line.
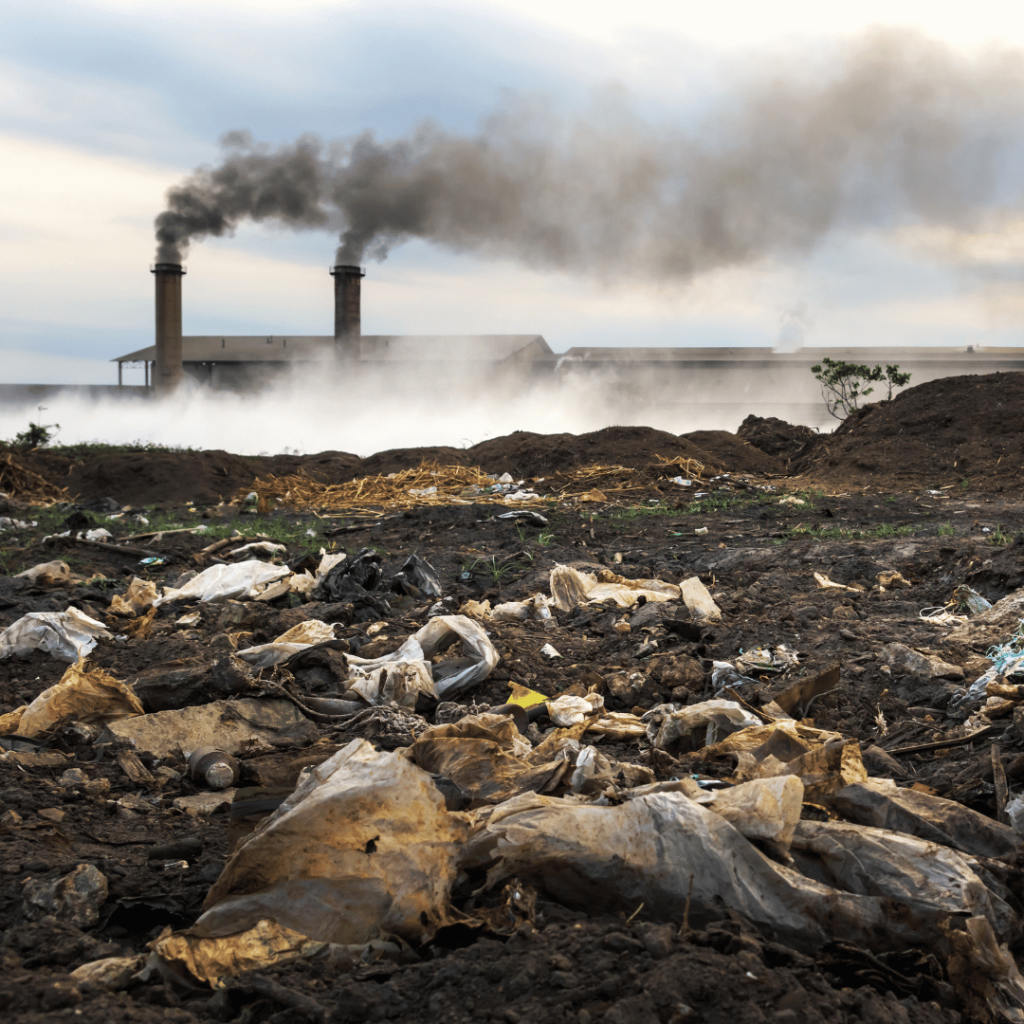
[[372, 348]]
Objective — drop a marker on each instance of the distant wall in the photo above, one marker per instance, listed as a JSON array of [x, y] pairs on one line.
[[33, 394]]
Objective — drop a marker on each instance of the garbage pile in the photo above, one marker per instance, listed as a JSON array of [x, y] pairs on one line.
[[237, 769]]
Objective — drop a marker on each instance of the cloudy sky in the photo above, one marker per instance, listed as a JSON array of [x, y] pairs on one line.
[[104, 106]]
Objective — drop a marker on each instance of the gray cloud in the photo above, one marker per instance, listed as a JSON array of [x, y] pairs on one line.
[[895, 129]]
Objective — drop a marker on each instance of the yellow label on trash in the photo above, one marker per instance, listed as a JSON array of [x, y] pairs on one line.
[[524, 696]]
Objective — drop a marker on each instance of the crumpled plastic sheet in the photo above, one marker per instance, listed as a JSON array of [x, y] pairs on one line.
[[299, 638], [487, 759], [80, 696], [616, 857], [241, 581], [372, 678], [47, 573], [68, 636], [881, 803], [667, 724], [139, 596], [363, 845], [567, 710], [570, 588]]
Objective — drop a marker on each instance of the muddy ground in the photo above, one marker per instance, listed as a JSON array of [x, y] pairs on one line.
[[926, 486]]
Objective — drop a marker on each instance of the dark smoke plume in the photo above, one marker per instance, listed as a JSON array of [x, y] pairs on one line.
[[897, 130]]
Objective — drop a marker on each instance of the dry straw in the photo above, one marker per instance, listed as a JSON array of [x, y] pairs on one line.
[[430, 483], [18, 481], [427, 484]]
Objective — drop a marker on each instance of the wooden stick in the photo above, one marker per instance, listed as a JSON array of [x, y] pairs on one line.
[[119, 549], [921, 748], [163, 533]]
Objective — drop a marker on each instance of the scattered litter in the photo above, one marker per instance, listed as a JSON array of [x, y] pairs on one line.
[[67, 636], [265, 547], [140, 596], [699, 602], [233, 726], [826, 584], [319, 882], [570, 588], [526, 516], [83, 695], [243, 580], [549, 652], [47, 574], [525, 697], [213, 768]]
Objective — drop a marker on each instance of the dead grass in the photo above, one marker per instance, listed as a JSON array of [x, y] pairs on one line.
[[432, 484], [426, 484], [18, 481]]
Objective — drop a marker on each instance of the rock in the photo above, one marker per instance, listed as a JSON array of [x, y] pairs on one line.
[[74, 899], [111, 974], [907, 662], [58, 994], [672, 671], [205, 803]]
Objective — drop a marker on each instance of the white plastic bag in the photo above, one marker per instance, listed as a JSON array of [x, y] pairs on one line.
[[243, 580], [68, 636]]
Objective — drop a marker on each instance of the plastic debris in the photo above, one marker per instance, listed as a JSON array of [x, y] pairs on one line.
[[670, 727], [364, 845], [47, 574], [570, 588], [226, 582], [67, 636], [140, 596], [233, 726], [699, 602], [264, 547], [83, 695]]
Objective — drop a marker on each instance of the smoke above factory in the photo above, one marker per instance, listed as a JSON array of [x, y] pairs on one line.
[[893, 130]]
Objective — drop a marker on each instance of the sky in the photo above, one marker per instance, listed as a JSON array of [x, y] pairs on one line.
[[104, 106]]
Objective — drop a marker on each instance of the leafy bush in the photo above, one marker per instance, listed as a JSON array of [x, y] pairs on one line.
[[844, 384], [37, 435]]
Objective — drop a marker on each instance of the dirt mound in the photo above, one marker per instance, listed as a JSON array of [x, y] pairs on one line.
[[526, 454], [776, 437], [326, 467], [968, 428], [394, 460], [161, 478], [734, 454]]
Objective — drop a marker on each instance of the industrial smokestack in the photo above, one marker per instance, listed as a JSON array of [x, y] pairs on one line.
[[167, 368], [347, 315]]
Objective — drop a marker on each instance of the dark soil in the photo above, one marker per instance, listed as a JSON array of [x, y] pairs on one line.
[[943, 432], [568, 964]]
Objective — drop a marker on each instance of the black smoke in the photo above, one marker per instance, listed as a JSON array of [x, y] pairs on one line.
[[895, 130]]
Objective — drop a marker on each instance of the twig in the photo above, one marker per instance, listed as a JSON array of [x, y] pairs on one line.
[[120, 549], [685, 931], [163, 533], [921, 748]]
